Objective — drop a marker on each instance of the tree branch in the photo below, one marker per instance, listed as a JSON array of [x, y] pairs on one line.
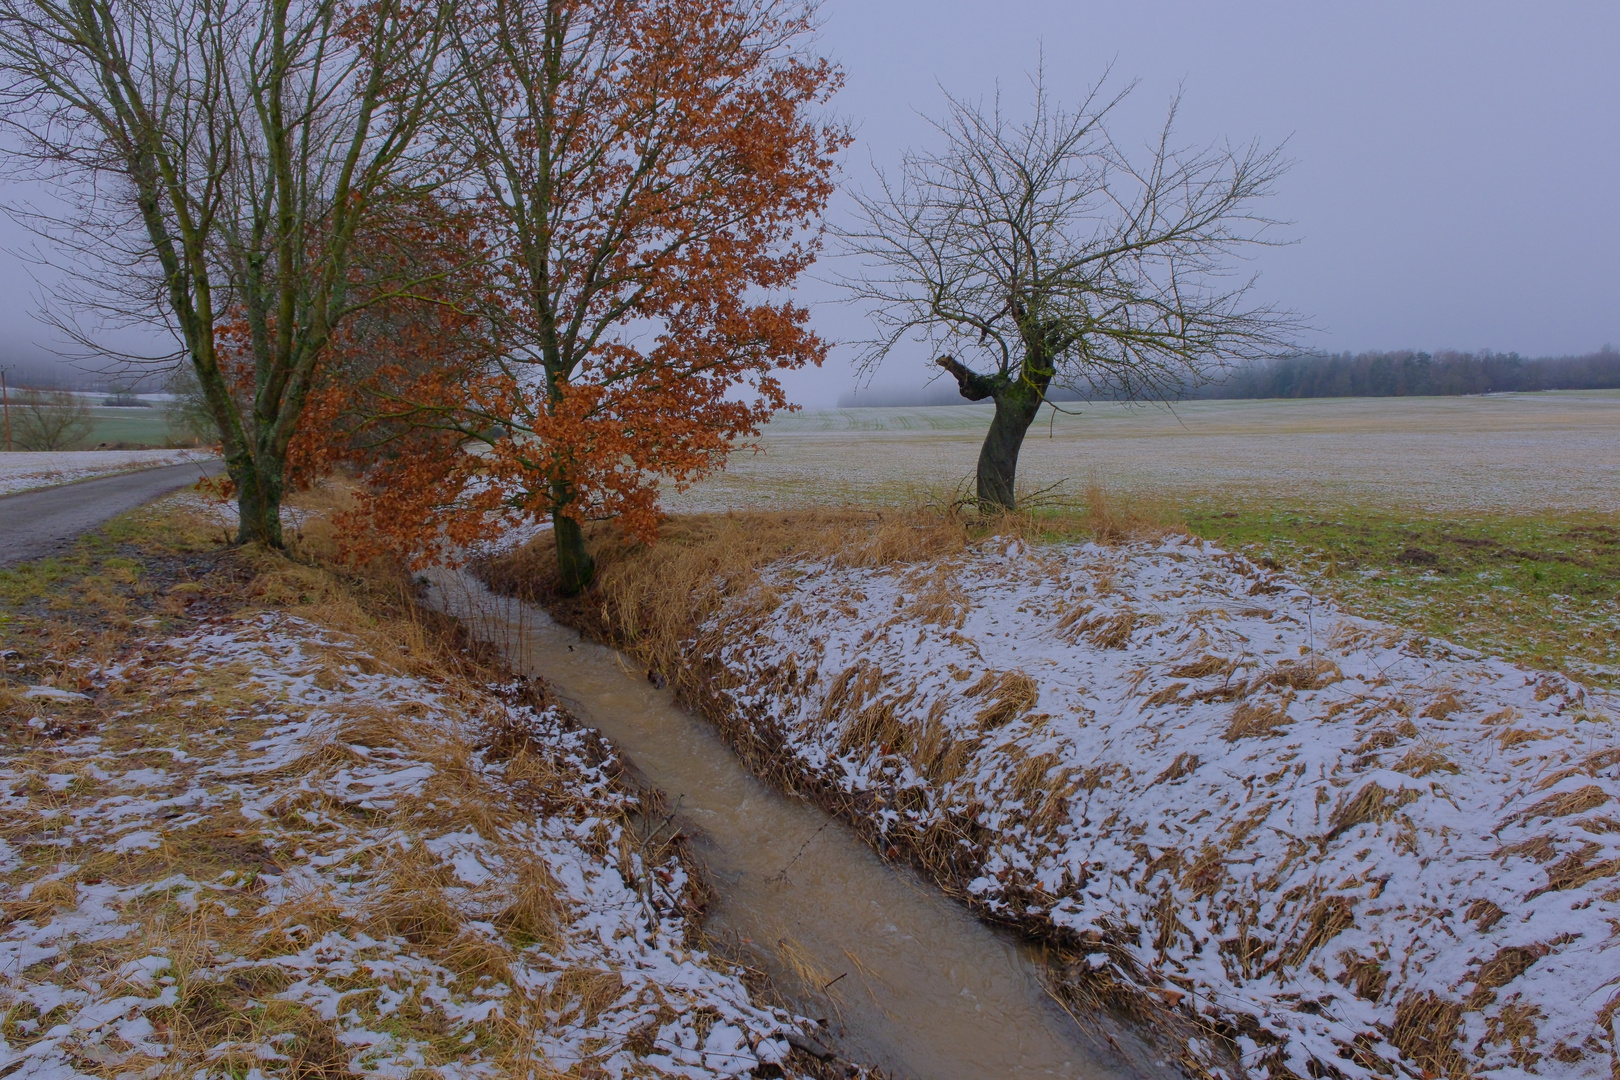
[[974, 387]]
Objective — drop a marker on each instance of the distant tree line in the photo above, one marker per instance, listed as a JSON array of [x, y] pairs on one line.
[[1407, 373], [45, 373]]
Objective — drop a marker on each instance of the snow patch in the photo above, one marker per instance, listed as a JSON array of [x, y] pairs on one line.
[[27, 471], [1355, 844]]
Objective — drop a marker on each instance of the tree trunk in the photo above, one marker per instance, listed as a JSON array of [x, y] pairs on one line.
[[1016, 406], [258, 501], [575, 567], [1018, 399]]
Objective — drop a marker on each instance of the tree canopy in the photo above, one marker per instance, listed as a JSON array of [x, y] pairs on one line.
[[224, 156], [554, 232], [646, 177], [1042, 253]]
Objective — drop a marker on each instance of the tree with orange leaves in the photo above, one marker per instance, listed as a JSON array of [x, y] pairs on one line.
[[415, 343], [648, 173]]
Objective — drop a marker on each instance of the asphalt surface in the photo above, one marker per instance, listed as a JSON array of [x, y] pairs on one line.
[[37, 524]]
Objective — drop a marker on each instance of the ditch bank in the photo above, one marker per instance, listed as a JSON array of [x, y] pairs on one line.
[[1327, 845], [894, 973], [259, 819]]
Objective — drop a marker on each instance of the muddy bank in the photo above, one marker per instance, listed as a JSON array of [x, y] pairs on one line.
[[1338, 847], [898, 975]]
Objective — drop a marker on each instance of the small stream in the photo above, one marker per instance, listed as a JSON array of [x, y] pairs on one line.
[[906, 978]]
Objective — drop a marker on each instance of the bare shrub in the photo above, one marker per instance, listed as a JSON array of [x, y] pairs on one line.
[[49, 420]]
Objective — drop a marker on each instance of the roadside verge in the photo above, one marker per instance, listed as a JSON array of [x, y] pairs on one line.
[[33, 470]]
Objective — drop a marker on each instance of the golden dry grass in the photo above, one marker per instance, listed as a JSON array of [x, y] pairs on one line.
[[650, 599], [1008, 695], [1255, 719], [1369, 803], [212, 710]]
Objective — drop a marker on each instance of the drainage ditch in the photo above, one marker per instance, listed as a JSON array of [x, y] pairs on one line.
[[903, 977]]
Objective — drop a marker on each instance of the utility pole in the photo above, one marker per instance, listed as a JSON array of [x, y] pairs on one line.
[[5, 403]]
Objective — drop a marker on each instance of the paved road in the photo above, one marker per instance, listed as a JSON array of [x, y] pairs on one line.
[[35, 524]]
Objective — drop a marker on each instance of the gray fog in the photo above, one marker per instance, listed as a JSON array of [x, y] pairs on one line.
[[1457, 164]]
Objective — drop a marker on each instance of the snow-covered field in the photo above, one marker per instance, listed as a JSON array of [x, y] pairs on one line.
[[1502, 453], [316, 852], [1334, 840], [25, 471]]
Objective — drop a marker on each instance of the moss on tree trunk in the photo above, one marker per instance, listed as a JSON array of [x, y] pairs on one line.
[[575, 567], [1016, 407], [258, 499], [1018, 397]]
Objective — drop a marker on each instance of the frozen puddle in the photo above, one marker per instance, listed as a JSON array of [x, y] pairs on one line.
[[906, 978]]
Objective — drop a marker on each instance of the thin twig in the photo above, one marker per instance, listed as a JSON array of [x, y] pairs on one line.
[[781, 875]]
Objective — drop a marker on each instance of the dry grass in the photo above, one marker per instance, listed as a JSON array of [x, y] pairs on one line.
[[1579, 801], [1115, 518], [1424, 758], [813, 977], [1370, 804], [1107, 632], [43, 900], [1257, 719], [649, 599], [1309, 673], [1426, 1030], [1322, 924], [1204, 667], [229, 952], [1365, 975], [1008, 695]]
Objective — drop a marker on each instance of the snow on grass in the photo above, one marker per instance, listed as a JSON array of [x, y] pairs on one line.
[[1333, 841], [259, 850], [25, 471], [1509, 454]]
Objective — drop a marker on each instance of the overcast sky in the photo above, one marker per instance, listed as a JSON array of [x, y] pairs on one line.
[[1457, 164], [1457, 176]]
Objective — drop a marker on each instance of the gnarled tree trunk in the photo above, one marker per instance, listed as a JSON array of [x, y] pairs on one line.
[[1017, 399]]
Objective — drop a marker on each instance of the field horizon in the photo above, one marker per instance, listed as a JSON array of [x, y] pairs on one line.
[[1507, 453]]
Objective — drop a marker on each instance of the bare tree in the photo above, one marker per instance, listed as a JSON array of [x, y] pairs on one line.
[[1042, 254], [49, 419], [231, 150]]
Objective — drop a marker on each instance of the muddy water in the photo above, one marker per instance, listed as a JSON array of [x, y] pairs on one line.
[[905, 978]]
